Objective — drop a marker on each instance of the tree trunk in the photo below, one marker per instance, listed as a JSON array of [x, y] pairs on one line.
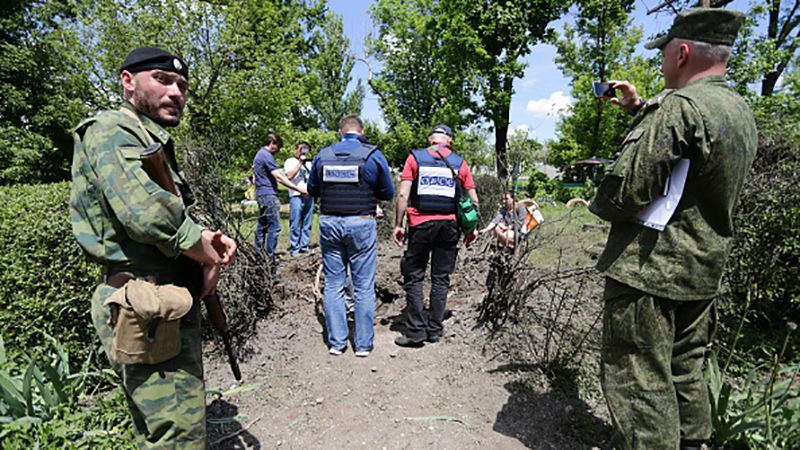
[[771, 78], [500, 144], [501, 118]]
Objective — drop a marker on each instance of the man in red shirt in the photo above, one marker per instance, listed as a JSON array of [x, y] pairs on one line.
[[431, 185]]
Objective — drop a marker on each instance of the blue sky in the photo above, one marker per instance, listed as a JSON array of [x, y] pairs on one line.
[[539, 95]]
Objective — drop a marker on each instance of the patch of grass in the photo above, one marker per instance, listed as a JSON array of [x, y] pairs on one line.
[[564, 239]]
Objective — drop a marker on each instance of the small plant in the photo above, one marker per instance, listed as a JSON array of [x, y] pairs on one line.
[[39, 401], [765, 412], [42, 387]]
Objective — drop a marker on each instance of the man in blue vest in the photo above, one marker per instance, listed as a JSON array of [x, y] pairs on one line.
[[349, 178], [432, 183]]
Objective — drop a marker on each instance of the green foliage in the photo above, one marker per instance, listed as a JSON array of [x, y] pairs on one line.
[[45, 281], [417, 84], [764, 412], [397, 142], [330, 68], [600, 47], [44, 90], [541, 186], [491, 38], [764, 53], [39, 404], [419, 44], [764, 262], [246, 60]]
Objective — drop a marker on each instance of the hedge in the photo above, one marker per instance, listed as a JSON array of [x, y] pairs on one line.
[[46, 282]]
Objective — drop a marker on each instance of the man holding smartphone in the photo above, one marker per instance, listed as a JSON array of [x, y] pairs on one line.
[[301, 208], [659, 315]]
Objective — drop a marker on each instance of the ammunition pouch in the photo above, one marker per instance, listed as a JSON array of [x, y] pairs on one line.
[[146, 319]]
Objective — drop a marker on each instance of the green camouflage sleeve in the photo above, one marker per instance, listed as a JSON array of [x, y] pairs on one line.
[[667, 130], [149, 214]]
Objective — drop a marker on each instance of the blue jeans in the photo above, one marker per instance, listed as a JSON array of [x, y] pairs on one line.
[[349, 241], [269, 222], [301, 215]]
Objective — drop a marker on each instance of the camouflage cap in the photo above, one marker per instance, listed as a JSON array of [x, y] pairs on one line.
[[712, 25]]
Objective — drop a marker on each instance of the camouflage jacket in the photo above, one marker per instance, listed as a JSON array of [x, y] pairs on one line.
[[711, 125], [120, 217]]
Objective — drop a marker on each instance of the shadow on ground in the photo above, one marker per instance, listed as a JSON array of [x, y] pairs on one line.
[[555, 419], [227, 430]]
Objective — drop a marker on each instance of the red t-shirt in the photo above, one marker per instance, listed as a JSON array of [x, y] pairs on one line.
[[410, 174]]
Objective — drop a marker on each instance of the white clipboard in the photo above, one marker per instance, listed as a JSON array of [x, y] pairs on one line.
[[657, 214]]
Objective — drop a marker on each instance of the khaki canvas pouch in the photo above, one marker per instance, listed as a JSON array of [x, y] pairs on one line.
[[146, 321]]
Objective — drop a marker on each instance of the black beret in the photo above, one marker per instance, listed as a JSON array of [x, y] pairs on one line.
[[150, 58]]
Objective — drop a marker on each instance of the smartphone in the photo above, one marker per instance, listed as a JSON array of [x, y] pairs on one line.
[[603, 90]]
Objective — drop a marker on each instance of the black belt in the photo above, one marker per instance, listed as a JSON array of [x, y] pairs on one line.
[[118, 279]]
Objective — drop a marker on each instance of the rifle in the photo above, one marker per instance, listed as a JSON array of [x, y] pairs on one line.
[[220, 324], [155, 164]]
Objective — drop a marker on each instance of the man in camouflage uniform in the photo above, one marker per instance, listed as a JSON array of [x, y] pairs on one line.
[[660, 287], [125, 221]]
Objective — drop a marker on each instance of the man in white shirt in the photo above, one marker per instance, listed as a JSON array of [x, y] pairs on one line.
[[301, 209]]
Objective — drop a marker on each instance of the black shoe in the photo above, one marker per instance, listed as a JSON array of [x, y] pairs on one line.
[[403, 341], [433, 339]]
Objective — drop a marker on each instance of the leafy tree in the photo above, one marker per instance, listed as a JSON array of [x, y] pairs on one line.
[[760, 57], [330, 68], [490, 37], [473, 145], [523, 152], [599, 47], [454, 61], [765, 57], [43, 90], [417, 85], [244, 56]]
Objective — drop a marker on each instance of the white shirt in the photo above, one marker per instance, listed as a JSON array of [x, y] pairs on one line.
[[301, 179]]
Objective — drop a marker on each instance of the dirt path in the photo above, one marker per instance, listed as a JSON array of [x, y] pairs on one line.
[[446, 395]]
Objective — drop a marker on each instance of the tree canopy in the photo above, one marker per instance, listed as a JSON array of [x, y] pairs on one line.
[[259, 67]]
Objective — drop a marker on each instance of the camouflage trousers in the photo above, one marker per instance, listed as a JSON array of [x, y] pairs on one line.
[[652, 368], [166, 400]]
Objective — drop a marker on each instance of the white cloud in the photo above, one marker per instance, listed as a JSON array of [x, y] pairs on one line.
[[555, 105], [522, 129]]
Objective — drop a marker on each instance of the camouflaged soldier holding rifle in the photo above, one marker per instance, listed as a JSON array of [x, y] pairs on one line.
[[659, 313], [157, 261]]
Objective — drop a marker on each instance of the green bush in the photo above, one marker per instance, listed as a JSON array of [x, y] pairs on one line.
[[489, 190], [541, 186], [763, 274], [45, 280]]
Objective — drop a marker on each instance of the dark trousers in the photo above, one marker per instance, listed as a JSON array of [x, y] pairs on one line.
[[436, 240]]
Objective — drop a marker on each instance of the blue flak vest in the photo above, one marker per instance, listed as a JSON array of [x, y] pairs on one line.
[[435, 190], [344, 191]]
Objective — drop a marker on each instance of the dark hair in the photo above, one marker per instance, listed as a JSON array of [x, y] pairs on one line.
[[274, 138], [301, 143], [351, 122]]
